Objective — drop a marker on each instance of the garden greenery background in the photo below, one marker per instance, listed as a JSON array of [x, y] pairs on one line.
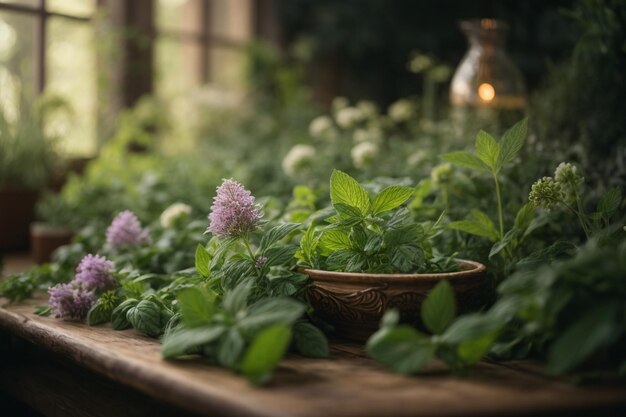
[[551, 234]]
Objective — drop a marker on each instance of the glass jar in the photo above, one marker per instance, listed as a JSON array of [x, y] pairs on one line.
[[486, 77]]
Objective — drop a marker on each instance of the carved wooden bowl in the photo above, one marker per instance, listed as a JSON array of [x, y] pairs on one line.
[[354, 303]]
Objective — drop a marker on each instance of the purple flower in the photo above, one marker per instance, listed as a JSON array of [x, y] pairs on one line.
[[260, 262], [126, 230], [71, 301], [234, 212], [94, 273]]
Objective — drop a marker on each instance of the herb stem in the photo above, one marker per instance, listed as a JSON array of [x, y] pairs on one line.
[[499, 198], [247, 244]]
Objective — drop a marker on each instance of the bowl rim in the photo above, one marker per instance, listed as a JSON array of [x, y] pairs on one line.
[[474, 269]]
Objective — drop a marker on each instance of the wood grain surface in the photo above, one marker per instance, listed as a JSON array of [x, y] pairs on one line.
[[347, 384]]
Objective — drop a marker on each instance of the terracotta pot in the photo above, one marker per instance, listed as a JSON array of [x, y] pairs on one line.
[[45, 239], [354, 303], [17, 211]]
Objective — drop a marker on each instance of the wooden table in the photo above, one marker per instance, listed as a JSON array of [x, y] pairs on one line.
[[62, 368]]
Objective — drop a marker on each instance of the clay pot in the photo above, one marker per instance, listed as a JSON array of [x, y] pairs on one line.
[[354, 303], [45, 239], [17, 211]]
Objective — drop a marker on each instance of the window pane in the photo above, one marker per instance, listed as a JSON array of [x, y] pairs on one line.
[[178, 66], [17, 56], [231, 19], [31, 3], [180, 16], [71, 65], [227, 67], [82, 8]]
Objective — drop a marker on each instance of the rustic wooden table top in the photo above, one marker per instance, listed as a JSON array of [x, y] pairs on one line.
[[347, 384]]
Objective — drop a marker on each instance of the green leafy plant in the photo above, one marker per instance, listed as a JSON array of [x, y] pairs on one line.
[[371, 234]]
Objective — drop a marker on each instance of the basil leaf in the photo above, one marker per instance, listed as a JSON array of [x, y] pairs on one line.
[[391, 198], [439, 308], [309, 340], [119, 320], [345, 189], [180, 341], [265, 352], [146, 318], [196, 306]]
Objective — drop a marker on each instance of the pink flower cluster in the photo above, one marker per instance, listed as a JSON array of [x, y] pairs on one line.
[[126, 230], [234, 212]]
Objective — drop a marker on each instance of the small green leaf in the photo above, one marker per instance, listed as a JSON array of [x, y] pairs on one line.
[[473, 350], [610, 201], [481, 226], [43, 311], [508, 238], [525, 216], [466, 160], [280, 255], [439, 308], [146, 318], [203, 259], [99, 313], [118, 317], [347, 213], [336, 239], [196, 306], [512, 142], [236, 299], [345, 189], [230, 349], [180, 341], [487, 149], [269, 311], [470, 327], [308, 246], [275, 234], [267, 349], [595, 329], [402, 349], [309, 340], [391, 198]]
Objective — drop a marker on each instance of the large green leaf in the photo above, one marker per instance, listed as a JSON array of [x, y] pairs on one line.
[[512, 142], [269, 311], [265, 352], [146, 318], [610, 201], [466, 160], [180, 341], [391, 198], [481, 226], [336, 239], [439, 308], [203, 259], [196, 306], [276, 233], [230, 349], [309, 340], [346, 190], [487, 149], [595, 329], [402, 349]]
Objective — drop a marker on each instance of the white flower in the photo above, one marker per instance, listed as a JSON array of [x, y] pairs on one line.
[[364, 154], [567, 175], [322, 128], [339, 103], [402, 110], [372, 134], [348, 116], [298, 157], [367, 108], [173, 212], [420, 63]]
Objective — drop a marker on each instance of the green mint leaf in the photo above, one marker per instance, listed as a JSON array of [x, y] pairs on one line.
[[488, 150], [269, 311], [471, 327], [346, 190], [473, 350], [595, 329], [180, 341], [280, 255], [275, 234], [99, 313], [118, 317], [391, 198], [466, 160], [308, 246], [347, 213], [43, 311], [146, 318], [483, 227], [512, 142], [402, 349], [230, 349], [196, 306], [508, 238], [525, 216], [439, 308], [267, 349], [309, 340], [610, 201], [203, 259], [336, 239], [236, 299]]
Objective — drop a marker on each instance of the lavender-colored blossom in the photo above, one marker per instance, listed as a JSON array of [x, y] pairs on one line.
[[71, 301], [260, 262], [234, 212], [94, 273], [126, 230]]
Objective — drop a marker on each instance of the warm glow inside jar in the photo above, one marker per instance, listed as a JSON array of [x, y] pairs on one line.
[[486, 77]]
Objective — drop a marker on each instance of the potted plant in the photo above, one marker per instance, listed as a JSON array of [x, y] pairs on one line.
[[53, 228], [373, 256], [27, 159]]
